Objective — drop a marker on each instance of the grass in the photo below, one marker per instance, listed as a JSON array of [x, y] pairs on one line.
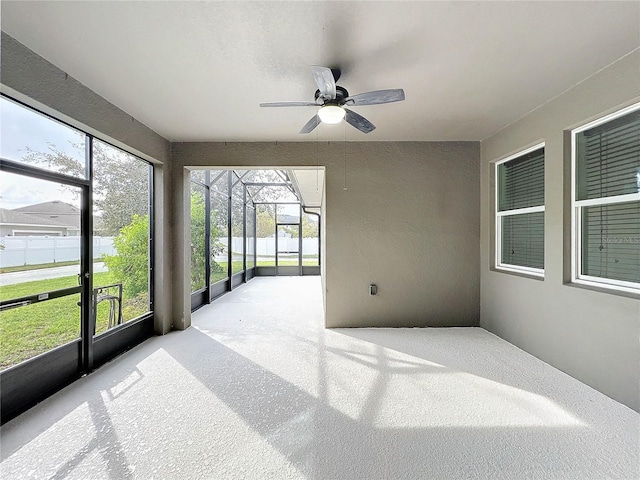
[[289, 263], [33, 329], [237, 266]]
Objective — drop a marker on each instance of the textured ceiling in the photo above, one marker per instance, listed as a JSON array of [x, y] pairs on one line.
[[196, 71]]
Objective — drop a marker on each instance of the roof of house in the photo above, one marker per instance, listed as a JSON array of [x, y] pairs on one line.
[[58, 212], [55, 207], [19, 218]]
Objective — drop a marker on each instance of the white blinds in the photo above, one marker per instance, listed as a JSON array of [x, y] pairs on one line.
[[607, 166], [521, 186]]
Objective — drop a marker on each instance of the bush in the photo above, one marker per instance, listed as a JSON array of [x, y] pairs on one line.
[[198, 242], [131, 265]]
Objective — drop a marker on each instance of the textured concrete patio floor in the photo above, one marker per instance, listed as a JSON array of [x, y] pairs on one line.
[[257, 388]]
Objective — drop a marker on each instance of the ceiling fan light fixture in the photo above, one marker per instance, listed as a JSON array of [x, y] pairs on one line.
[[331, 114], [332, 98]]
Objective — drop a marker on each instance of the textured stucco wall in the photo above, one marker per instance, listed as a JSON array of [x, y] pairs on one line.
[[591, 335], [408, 222], [26, 75]]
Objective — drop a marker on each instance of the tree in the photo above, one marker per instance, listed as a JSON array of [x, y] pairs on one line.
[[197, 240], [265, 222], [121, 187], [237, 215], [273, 193], [120, 182], [310, 226]]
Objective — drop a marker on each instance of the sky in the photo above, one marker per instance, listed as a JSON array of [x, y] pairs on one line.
[[22, 129]]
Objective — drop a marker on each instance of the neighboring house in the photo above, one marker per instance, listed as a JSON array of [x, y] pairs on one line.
[[291, 219], [54, 218]]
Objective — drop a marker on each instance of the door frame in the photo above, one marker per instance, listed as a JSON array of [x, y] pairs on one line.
[[25, 384]]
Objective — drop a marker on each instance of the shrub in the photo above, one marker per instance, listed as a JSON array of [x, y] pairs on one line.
[[131, 264], [198, 242]]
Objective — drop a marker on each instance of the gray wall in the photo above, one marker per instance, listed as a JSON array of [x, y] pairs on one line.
[[591, 335], [408, 222]]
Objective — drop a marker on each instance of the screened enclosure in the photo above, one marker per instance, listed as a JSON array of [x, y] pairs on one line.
[[247, 223]]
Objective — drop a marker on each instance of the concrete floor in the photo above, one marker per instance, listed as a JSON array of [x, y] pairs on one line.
[[257, 388]]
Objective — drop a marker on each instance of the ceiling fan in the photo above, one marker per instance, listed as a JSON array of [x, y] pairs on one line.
[[333, 99]]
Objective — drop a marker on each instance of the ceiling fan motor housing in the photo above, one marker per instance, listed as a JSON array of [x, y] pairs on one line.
[[341, 95]]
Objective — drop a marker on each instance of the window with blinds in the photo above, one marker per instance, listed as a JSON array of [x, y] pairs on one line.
[[607, 200], [520, 212]]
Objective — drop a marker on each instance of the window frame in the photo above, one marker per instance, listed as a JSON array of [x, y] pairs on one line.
[[577, 276], [498, 215], [31, 380]]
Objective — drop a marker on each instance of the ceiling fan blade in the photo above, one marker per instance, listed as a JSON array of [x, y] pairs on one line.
[[356, 120], [311, 124], [289, 104], [325, 81], [377, 97]]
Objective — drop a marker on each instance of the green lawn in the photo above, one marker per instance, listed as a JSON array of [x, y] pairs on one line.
[[289, 263], [33, 329], [237, 266]]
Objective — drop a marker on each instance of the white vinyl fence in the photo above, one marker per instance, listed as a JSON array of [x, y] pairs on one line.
[[34, 250], [267, 246]]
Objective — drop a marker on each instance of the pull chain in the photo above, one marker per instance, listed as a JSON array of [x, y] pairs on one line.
[[317, 156], [345, 156]]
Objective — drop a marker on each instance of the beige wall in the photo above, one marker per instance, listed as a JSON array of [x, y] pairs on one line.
[[591, 335], [408, 222]]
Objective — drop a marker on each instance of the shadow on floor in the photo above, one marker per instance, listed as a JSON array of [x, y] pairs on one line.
[[322, 442]]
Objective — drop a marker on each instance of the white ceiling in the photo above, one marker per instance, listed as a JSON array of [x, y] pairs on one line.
[[196, 71]]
